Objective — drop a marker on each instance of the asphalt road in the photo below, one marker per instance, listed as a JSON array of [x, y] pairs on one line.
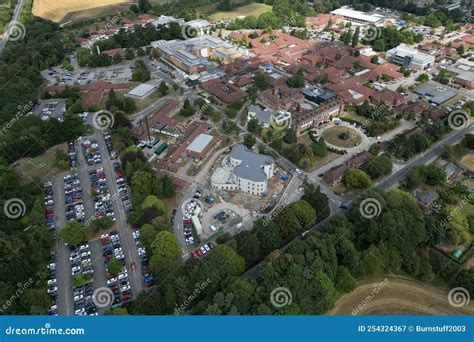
[[16, 15], [126, 238], [386, 184], [63, 266]]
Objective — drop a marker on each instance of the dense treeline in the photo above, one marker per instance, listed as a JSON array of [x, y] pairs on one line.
[[20, 65], [314, 268], [24, 247]]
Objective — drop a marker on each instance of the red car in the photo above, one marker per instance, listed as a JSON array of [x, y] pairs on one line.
[[194, 254], [187, 222]]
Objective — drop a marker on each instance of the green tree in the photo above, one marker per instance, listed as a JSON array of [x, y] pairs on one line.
[[355, 178], [249, 140], [72, 233], [355, 37], [115, 266], [344, 281], [320, 149], [378, 166], [303, 211], [163, 88]]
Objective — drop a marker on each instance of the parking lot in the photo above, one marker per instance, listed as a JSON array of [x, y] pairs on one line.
[[114, 74], [53, 108]]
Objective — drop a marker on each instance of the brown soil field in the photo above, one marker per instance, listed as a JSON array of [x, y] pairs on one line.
[[56, 11], [397, 296]]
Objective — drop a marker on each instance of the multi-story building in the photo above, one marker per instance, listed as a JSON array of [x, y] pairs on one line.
[[410, 58], [244, 170]]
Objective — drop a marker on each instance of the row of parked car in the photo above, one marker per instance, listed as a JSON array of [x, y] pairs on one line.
[[72, 154], [73, 198], [102, 199], [118, 283], [188, 231], [91, 151], [49, 204], [121, 185], [52, 284], [198, 252], [84, 300], [81, 265], [108, 143], [148, 278]]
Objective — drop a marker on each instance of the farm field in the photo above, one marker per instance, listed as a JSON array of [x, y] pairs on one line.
[[244, 11], [397, 296], [57, 10], [468, 161]]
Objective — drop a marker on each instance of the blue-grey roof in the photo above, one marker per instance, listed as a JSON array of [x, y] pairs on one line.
[[252, 163], [437, 94], [262, 115]]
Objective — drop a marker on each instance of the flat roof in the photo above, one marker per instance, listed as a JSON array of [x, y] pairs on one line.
[[142, 90], [348, 12], [437, 94], [200, 143]]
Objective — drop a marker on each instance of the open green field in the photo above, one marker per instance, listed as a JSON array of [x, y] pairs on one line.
[[244, 11], [333, 136]]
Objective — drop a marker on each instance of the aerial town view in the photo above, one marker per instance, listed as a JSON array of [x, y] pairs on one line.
[[236, 158]]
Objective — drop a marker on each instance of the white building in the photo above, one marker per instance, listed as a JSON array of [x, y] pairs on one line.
[[142, 91], [200, 25], [358, 17], [245, 171], [410, 58]]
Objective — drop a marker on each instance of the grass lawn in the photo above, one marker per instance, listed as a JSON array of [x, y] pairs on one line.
[[468, 161], [254, 9], [317, 161], [356, 117], [468, 183], [333, 136], [39, 168]]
